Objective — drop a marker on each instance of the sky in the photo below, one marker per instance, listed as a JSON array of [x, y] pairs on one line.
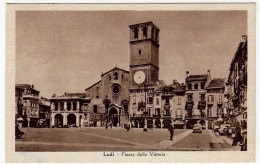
[[67, 51]]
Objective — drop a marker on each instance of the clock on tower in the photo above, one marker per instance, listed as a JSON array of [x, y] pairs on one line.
[[144, 53]]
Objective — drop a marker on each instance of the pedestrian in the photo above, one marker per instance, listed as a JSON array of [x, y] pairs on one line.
[[229, 132], [237, 138], [171, 129], [128, 127]]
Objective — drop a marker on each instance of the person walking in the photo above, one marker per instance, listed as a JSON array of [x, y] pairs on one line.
[[171, 129], [237, 138]]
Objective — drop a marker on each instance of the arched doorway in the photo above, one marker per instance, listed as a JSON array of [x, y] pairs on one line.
[[58, 120], [203, 124], [71, 119], [157, 123], [113, 116]]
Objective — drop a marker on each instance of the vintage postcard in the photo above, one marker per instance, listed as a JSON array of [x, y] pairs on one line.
[[130, 83]]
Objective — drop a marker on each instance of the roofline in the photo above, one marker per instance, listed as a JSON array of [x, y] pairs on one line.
[[113, 69], [215, 87], [150, 22], [93, 85]]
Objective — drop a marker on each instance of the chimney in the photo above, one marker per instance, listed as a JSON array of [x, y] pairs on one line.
[[32, 86], [174, 81], [208, 72], [187, 73]]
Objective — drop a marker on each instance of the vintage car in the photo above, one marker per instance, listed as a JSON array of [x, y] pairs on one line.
[[223, 130], [197, 128]]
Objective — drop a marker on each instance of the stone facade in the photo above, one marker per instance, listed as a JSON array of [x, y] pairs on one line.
[[114, 88], [30, 109], [215, 101], [69, 109], [236, 92], [196, 99]]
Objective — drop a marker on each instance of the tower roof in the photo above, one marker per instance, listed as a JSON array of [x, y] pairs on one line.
[[145, 23]]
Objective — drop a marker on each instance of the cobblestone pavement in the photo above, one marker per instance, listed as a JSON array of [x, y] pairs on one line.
[[117, 139]]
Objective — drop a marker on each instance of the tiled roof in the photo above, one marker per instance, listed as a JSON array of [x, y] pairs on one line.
[[216, 83], [197, 77]]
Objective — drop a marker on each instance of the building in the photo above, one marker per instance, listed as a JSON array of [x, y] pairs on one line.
[[44, 111], [69, 109], [30, 109], [236, 92], [109, 99], [19, 105], [215, 101], [196, 99], [144, 72]]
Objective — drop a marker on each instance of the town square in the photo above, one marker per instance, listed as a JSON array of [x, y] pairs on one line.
[[169, 90]]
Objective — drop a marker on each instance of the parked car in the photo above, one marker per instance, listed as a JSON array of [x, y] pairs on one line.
[[223, 130], [197, 128]]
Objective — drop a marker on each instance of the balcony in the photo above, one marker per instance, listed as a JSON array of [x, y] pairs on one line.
[[202, 105], [32, 96], [141, 104]]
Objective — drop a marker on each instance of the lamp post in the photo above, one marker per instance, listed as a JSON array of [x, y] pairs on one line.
[[107, 102]]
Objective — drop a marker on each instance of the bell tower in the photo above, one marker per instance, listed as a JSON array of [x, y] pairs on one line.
[[144, 53]]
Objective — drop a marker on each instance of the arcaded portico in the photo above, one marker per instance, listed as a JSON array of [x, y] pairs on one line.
[[68, 110]]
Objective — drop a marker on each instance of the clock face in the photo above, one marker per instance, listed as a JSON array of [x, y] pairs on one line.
[[139, 77]]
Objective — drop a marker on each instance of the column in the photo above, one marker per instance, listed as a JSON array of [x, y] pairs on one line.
[[77, 119], [65, 105], [207, 122], [52, 119], [77, 105], [154, 123], [52, 106], [118, 120], [161, 123], [71, 105], [28, 121], [64, 119]]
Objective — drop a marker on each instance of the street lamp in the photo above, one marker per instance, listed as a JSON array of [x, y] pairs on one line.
[[107, 102]]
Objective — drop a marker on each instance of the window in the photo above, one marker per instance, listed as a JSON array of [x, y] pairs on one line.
[[145, 31], [122, 76], [74, 105], [140, 52], [109, 77], [156, 35], [157, 101], [167, 101], [136, 33], [158, 111], [179, 100], [134, 100], [95, 108], [189, 86], [196, 86], [202, 97], [149, 100], [209, 111], [56, 106], [202, 85], [69, 106], [189, 97], [211, 98]]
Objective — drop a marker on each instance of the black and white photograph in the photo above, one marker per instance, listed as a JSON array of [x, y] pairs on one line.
[[132, 82]]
